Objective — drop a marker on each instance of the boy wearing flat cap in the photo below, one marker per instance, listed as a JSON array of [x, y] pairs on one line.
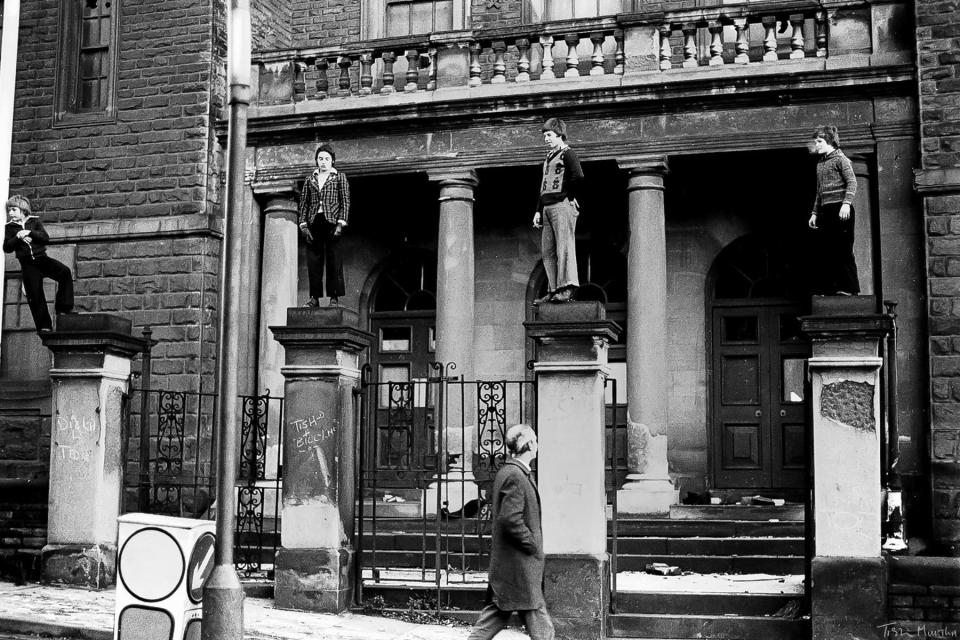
[[25, 236]]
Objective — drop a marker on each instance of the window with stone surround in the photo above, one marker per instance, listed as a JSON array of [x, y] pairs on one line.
[[536, 11], [87, 61], [398, 18]]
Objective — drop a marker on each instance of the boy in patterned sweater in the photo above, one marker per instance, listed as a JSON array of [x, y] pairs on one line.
[[557, 212]]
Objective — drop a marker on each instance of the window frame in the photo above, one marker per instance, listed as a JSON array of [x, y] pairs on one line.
[[67, 91]]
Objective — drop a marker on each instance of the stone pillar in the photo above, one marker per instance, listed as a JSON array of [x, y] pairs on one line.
[[648, 488], [90, 375], [863, 204], [848, 573], [314, 565], [455, 271], [278, 291], [572, 344]]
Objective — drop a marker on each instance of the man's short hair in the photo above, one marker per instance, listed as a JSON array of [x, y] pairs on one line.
[[557, 126], [514, 434], [829, 134], [327, 148]]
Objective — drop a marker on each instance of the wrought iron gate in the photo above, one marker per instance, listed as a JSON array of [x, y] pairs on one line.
[[429, 449]]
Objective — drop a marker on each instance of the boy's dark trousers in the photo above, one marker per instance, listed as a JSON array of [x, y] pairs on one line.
[[324, 250], [837, 265], [34, 272]]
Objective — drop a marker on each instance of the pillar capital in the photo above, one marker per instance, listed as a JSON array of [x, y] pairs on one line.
[[278, 198], [98, 334], [646, 164], [455, 184]]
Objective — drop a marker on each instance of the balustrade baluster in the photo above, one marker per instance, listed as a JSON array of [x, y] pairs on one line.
[[413, 70], [690, 46], [323, 82], [743, 42], [821, 26], [573, 58], [666, 52], [366, 73], [499, 64], [596, 60], [475, 68], [432, 73], [619, 59], [343, 84], [299, 80], [523, 59], [388, 57], [769, 38], [716, 43], [546, 43], [796, 41]]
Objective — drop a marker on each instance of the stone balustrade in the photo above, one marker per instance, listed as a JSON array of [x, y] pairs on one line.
[[734, 35]]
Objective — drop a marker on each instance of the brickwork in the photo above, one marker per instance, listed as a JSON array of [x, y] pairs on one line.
[[487, 14], [323, 23], [924, 602], [23, 530], [938, 43], [271, 24]]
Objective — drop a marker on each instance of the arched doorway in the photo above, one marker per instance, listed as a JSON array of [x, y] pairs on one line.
[[758, 357]]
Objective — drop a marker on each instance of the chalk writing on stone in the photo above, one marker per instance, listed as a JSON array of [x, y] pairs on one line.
[[849, 403], [308, 436]]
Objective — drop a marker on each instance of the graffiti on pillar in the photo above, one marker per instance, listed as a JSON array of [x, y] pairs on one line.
[[310, 434], [849, 403], [75, 438]]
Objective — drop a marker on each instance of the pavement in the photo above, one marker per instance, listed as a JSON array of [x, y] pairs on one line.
[[48, 610]]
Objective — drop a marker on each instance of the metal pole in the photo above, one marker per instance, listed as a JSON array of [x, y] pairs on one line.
[[8, 79], [223, 594], [143, 500]]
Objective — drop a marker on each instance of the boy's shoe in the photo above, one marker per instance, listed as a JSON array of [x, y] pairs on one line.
[[312, 302], [544, 299], [564, 295], [334, 301]]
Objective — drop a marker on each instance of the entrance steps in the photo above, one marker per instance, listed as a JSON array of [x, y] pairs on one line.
[[742, 574]]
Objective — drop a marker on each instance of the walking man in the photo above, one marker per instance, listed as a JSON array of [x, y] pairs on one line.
[[516, 559]]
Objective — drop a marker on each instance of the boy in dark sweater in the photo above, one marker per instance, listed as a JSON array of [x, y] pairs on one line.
[[25, 236], [833, 216], [557, 211]]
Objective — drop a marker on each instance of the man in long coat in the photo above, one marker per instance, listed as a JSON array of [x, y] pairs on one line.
[[516, 557]]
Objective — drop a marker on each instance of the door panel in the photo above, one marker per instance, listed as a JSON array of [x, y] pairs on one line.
[[759, 432]]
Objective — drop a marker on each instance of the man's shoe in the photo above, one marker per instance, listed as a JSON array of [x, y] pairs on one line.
[[312, 302]]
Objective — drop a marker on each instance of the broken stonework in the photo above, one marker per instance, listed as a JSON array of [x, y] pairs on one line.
[[849, 403]]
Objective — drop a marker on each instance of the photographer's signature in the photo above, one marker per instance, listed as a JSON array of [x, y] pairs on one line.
[[920, 630]]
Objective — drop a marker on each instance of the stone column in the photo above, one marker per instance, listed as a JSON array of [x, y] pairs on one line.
[[571, 369], [648, 488], [248, 297], [90, 375], [455, 270], [848, 574], [278, 291], [863, 204], [314, 565]]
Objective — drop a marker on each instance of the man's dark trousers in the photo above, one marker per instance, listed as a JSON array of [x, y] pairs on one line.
[[34, 271], [324, 251], [492, 620]]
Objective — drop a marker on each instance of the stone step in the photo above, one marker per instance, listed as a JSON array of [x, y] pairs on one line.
[[710, 546], [467, 597], [427, 560], [774, 565], [717, 604], [676, 627], [791, 512], [708, 528]]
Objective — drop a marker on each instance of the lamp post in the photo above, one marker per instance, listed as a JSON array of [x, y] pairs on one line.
[[223, 594], [8, 78]]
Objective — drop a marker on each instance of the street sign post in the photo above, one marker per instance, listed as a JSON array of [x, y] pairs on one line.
[[162, 566]]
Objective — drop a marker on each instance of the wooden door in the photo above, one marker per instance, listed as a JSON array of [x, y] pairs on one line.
[[403, 428], [759, 365]]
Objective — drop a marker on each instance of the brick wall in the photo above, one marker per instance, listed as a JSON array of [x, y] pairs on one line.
[[938, 181], [489, 14], [139, 197], [271, 23], [322, 23], [924, 590]]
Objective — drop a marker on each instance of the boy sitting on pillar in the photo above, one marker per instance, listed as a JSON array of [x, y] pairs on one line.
[[557, 212]]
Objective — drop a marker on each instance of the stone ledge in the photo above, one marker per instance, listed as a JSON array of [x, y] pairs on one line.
[[924, 571]]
